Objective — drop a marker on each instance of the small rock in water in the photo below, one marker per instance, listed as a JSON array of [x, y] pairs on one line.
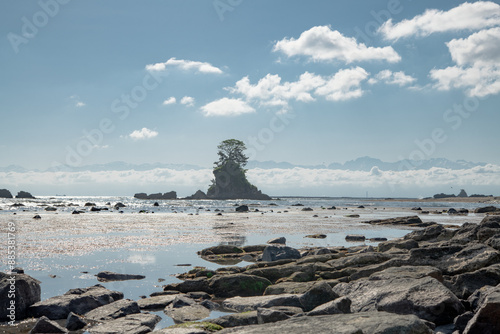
[[37, 217], [355, 237], [280, 240], [316, 236]]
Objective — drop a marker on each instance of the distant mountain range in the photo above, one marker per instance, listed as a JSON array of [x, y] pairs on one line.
[[359, 164]]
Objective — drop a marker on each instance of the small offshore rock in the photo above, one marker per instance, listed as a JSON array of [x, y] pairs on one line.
[[355, 238], [280, 240]]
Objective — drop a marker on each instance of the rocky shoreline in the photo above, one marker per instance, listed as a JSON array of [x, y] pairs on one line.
[[434, 280]]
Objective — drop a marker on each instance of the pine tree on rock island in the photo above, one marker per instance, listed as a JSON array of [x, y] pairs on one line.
[[230, 180]]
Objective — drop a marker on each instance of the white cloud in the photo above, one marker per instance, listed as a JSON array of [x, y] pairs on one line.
[[320, 43], [80, 104], [344, 85], [144, 133], [466, 16], [270, 91], [478, 64], [186, 65], [227, 107], [187, 101], [392, 78], [170, 100], [481, 48]]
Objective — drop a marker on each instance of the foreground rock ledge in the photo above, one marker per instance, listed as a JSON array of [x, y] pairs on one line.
[[359, 323]]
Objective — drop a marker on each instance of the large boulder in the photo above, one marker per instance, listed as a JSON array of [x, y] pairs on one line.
[[236, 319], [465, 284], [455, 259], [337, 306], [487, 318], [4, 193], [189, 285], [156, 302], [24, 194], [184, 309], [114, 310], [244, 304], [44, 326], [238, 285], [424, 297], [279, 252], [79, 301], [429, 233], [21, 289], [320, 293], [486, 209], [360, 323], [288, 287], [138, 323]]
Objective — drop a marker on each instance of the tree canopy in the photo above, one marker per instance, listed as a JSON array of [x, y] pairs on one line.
[[231, 150]]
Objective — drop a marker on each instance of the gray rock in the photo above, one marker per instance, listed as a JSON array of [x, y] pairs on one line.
[[276, 313], [221, 249], [280, 240], [410, 221], [464, 285], [74, 322], [355, 238], [455, 259], [358, 260], [196, 284], [242, 208], [477, 299], [319, 294], [364, 323], [486, 209], [114, 310], [27, 293], [236, 319], [337, 306], [244, 304], [461, 321], [238, 285], [4, 193], [155, 303], [399, 244], [424, 297], [288, 288], [108, 276], [44, 325], [139, 323], [427, 234], [408, 272], [276, 252], [79, 301], [487, 318], [273, 273], [187, 313]]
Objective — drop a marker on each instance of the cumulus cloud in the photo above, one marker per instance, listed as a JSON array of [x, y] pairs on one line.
[[467, 16], [271, 91], [321, 43], [144, 133], [80, 104], [170, 100], [186, 65], [227, 107], [392, 78], [344, 85], [477, 70], [187, 101]]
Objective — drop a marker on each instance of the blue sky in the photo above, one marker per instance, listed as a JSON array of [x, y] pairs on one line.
[[87, 82]]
